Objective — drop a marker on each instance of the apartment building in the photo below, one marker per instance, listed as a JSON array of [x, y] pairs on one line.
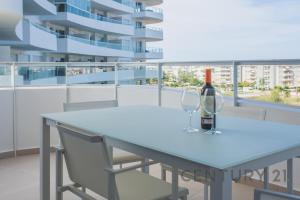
[[268, 77], [80, 30]]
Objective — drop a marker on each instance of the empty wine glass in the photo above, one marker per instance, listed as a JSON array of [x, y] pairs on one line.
[[212, 103], [190, 103]]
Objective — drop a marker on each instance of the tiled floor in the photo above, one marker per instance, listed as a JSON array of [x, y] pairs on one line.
[[19, 180]]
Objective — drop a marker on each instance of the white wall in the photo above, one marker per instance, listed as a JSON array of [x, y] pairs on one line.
[[30, 103], [42, 39], [65, 45], [6, 120], [138, 95]]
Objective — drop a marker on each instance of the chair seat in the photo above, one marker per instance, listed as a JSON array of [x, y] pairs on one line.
[[188, 174], [121, 157], [135, 185]]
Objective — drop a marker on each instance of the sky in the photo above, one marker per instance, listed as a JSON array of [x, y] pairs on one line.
[[196, 30]]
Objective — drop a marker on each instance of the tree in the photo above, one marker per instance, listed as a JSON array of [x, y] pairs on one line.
[[297, 93], [275, 95]]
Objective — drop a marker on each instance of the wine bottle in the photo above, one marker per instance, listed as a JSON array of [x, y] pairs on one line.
[[207, 120]]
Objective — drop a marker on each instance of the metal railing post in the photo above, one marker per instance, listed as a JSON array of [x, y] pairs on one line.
[[159, 83], [68, 95], [116, 81], [14, 117], [235, 83]]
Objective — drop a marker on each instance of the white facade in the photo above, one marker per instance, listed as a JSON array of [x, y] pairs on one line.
[[270, 76], [79, 30]]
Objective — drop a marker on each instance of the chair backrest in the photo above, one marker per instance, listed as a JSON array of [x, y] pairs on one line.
[[90, 105], [87, 159], [260, 194], [246, 112]]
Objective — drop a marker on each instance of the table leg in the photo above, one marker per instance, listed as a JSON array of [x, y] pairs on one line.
[[174, 183], [221, 186], [290, 176], [45, 161]]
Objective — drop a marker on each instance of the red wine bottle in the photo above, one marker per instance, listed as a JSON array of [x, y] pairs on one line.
[[207, 120]]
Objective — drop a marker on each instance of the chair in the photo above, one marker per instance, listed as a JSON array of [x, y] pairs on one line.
[[244, 112], [119, 157], [90, 166], [260, 194]]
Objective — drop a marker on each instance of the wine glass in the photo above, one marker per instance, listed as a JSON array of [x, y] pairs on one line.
[[190, 103], [212, 103]]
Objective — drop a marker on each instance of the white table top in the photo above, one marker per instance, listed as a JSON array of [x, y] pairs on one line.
[[161, 129]]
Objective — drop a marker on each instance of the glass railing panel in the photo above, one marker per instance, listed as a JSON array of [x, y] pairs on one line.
[[44, 28], [88, 14], [183, 76], [40, 75], [138, 75], [149, 9], [150, 28], [126, 3], [94, 74], [5, 76], [149, 50], [110, 45], [274, 84]]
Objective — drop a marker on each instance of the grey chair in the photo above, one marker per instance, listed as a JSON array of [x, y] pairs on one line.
[[119, 157], [260, 194], [90, 166], [243, 112]]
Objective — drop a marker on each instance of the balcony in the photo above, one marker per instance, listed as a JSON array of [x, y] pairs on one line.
[[91, 22], [36, 37], [29, 89], [149, 15], [149, 53], [114, 6], [151, 2], [39, 7], [77, 45], [149, 34]]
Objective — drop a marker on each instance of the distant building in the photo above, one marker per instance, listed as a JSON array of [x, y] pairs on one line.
[[79, 30]]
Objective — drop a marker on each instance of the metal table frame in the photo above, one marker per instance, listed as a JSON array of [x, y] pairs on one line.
[[221, 184]]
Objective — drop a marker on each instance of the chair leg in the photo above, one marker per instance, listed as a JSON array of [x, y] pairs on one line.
[[163, 174], [83, 190], [59, 174], [205, 196], [146, 168]]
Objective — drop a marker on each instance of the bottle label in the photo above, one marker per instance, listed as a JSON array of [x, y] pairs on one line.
[[206, 121]]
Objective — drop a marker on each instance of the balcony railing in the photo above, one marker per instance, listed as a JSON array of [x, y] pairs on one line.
[[87, 14], [149, 9], [126, 3], [110, 45], [150, 28], [239, 91], [150, 50]]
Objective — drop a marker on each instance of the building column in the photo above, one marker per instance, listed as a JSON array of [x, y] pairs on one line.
[[5, 53]]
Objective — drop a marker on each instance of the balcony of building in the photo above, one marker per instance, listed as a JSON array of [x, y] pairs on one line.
[[149, 53], [149, 15], [74, 17], [151, 2], [77, 45], [29, 89], [114, 6], [35, 37], [39, 7], [150, 34]]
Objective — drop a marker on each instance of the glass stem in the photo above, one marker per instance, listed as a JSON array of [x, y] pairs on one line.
[[213, 123], [190, 121]]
